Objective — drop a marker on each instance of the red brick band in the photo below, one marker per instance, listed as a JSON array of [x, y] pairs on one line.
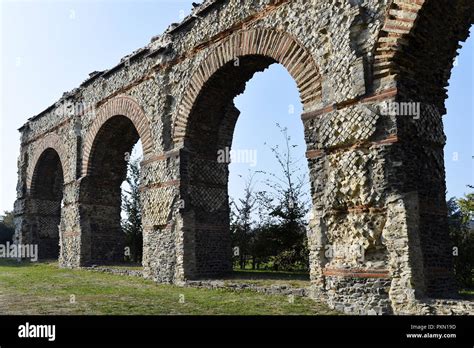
[[169, 183], [356, 273], [361, 209], [312, 154], [386, 94], [160, 157], [71, 234]]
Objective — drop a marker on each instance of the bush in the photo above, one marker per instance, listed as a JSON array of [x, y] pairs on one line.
[[462, 237], [6, 233], [7, 228]]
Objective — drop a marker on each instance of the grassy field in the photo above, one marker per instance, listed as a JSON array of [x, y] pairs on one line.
[[265, 278], [43, 288]]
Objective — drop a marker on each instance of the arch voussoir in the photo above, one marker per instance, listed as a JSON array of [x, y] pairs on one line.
[[50, 141], [274, 44], [123, 106]]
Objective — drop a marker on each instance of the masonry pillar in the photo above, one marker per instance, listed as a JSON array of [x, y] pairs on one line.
[[204, 190], [23, 229], [102, 238], [421, 147], [37, 224], [161, 218], [364, 233], [22, 224], [70, 227]]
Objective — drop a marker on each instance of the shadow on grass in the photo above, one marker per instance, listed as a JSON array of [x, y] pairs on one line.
[[115, 265], [467, 294], [23, 263], [53, 262], [268, 275]]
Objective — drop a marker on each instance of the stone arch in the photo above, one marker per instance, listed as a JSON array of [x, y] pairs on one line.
[[46, 180], [118, 106], [417, 49], [277, 45], [120, 123], [415, 52], [50, 141], [205, 126]]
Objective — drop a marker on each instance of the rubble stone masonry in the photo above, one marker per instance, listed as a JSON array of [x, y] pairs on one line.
[[377, 178]]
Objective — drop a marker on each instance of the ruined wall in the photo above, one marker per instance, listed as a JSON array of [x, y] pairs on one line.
[[371, 170]]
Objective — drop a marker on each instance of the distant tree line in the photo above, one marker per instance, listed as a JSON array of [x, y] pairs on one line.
[[7, 228]]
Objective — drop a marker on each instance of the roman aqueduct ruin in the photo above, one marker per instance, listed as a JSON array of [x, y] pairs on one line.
[[377, 179]]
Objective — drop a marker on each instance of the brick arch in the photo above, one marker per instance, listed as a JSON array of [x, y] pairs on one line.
[[275, 44], [400, 19], [415, 51], [124, 106], [50, 141], [419, 33]]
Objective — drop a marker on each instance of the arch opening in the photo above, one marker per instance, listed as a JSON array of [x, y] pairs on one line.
[[46, 197], [104, 239], [204, 175], [269, 180]]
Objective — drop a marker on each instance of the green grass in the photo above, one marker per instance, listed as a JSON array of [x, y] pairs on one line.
[[43, 288], [469, 292], [266, 278], [122, 266]]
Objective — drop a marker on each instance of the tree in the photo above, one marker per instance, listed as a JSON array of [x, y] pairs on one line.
[[269, 227], [132, 225], [287, 204], [265, 243], [466, 205], [7, 227], [460, 212], [242, 221]]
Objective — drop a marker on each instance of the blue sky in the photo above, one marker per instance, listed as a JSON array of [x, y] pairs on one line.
[[48, 47]]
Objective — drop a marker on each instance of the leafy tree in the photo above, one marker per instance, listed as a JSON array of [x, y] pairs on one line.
[[7, 227], [460, 212], [242, 222], [466, 205], [132, 225], [288, 205], [265, 243], [277, 238]]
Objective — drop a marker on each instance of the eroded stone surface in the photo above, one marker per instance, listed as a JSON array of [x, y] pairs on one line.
[[377, 179]]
